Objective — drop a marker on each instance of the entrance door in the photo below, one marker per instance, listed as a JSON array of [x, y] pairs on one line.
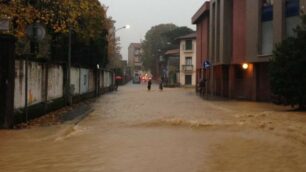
[[188, 79]]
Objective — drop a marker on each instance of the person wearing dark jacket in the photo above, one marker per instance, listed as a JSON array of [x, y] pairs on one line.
[[149, 84], [161, 85], [202, 86]]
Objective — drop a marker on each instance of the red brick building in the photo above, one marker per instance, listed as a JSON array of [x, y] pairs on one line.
[[237, 37], [201, 19]]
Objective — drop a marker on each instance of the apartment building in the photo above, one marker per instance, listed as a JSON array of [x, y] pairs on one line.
[[188, 60], [134, 57], [241, 37]]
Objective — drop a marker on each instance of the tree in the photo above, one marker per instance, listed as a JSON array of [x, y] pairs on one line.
[[56, 15], [288, 69], [159, 39], [113, 49], [172, 35], [86, 18]]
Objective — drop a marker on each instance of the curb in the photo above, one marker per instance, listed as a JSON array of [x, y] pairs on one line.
[[79, 119], [76, 115]]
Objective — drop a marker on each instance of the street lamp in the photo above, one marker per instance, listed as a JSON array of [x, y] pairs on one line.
[[112, 35], [123, 27], [245, 66]]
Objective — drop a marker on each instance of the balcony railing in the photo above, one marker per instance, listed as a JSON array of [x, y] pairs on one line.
[[187, 68]]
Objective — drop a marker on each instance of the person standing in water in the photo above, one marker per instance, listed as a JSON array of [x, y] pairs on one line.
[[149, 85], [161, 85]]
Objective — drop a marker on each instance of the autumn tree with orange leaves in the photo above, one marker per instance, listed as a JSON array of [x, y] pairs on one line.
[[87, 18]]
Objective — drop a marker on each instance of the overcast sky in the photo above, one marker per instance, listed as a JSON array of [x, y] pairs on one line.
[[141, 15]]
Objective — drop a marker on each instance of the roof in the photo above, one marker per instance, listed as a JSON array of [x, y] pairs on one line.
[[204, 10], [173, 52], [189, 36], [136, 45]]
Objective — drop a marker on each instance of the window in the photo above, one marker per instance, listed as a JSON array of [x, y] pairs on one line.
[[188, 61], [267, 10], [292, 8], [267, 27], [188, 45], [292, 16], [267, 2]]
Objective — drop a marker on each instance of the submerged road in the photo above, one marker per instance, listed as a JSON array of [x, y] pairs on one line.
[[135, 130]]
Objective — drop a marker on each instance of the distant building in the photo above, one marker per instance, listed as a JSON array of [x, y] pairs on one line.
[[171, 67], [188, 60], [237, 38], [134, 57]]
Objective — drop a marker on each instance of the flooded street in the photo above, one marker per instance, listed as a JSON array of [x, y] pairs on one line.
[[134, 130]]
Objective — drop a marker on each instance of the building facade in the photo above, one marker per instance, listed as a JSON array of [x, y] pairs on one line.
[[241, 37], [188, 60], [171, 67], [134, 57], [201, 19]]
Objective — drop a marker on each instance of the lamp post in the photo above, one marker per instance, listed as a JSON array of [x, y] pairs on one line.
[[112, 36], [68, 65], [36, 33], [68, 86], [123, 27]]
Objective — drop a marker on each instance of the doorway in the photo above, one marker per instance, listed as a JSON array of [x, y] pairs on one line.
[[188, 79]]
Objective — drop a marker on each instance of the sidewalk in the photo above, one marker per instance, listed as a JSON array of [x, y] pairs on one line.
[[69, 114], [78, 113]]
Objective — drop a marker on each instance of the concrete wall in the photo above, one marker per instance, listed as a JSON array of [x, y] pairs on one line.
[[36, 83], [84, 81], [101, 79], [46, 91], [108, 79], [75, 80], [19, 95], [91, 81], [55, 82]]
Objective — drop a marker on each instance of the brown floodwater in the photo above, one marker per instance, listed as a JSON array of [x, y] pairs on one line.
[[134, 130]]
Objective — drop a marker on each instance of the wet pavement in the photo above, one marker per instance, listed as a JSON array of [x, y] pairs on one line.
[[135, 130]]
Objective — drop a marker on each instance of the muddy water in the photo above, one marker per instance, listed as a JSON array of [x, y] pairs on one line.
[[133, 130]]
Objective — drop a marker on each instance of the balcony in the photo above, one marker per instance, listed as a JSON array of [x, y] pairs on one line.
[[187, 68]]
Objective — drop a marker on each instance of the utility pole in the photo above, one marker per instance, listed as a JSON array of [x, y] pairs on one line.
[[68, 87], [7, 78]]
